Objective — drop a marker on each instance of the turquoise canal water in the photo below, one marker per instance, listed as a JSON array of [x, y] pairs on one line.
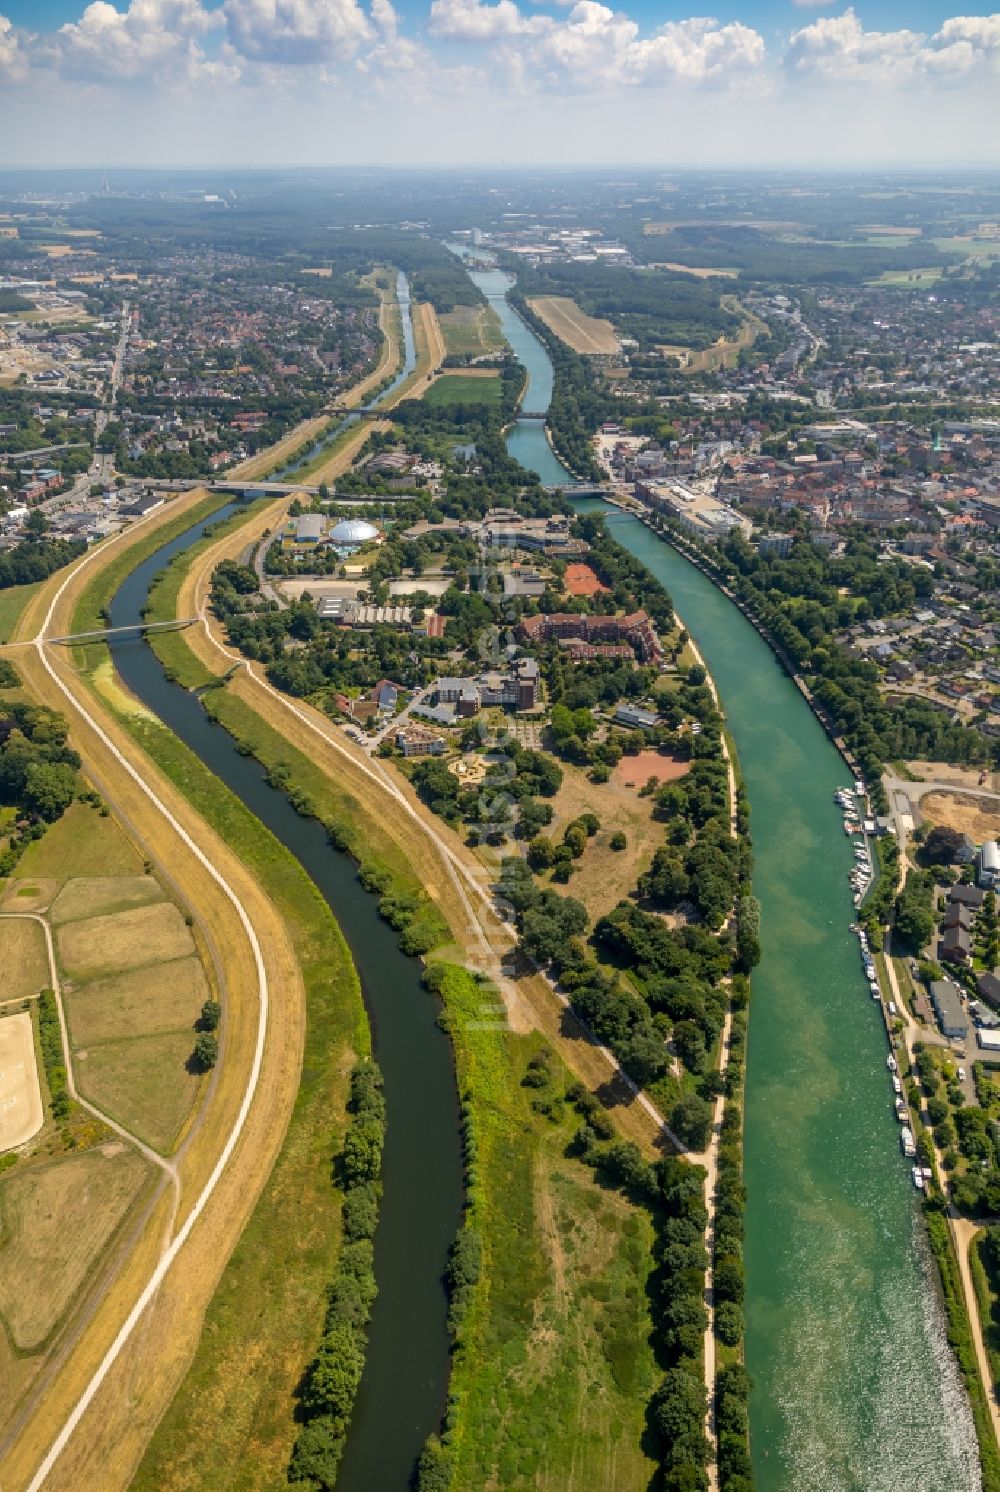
[[855, 1388], [527, 441]]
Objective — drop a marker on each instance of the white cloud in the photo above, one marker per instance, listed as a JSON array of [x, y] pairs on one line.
[[13, 63], [109, 44], [470, 20], [838, 48], [595, 45], [299, 32]]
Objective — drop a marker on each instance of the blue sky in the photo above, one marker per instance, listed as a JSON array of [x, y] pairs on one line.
[[766, 82]]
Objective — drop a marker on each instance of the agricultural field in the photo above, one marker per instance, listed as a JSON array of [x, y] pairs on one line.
[[133, 980], [573, 326], [58, 1220], [471, 331], [22, 956], [463, 388]]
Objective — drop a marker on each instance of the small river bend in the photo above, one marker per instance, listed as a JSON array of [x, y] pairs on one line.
[[403, 1390]]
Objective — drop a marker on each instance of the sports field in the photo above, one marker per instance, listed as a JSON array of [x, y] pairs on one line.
[[574, 327], [20, 1096]]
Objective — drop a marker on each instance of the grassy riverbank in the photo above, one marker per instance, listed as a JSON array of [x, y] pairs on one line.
[[234, 1407], [553, 1367]]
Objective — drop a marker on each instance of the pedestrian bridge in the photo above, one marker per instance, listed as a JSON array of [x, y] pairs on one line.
[[103, 633]]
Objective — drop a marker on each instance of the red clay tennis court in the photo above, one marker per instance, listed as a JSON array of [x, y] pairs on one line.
[[582, 581], [635, 771]]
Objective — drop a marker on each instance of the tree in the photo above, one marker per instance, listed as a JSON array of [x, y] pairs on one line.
[[618, 840], [49, 789], [643, 1057], [576, 838], [206, 1051], [211, 1014], [334, 1377], [691, 1121], [541, 852]]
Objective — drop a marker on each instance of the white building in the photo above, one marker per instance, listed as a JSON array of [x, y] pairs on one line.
[[989, 864]]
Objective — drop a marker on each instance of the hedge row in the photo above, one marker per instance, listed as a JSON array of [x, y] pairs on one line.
[[732, 1385], [331, 1380], [53, 1060], [961, 1342]]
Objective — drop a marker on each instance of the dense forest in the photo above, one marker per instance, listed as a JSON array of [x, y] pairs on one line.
[[653, 306]]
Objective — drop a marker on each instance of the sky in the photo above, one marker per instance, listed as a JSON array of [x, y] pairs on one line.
[[793, 83]]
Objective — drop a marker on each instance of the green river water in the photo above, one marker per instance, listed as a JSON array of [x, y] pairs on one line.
[[855, 1388]]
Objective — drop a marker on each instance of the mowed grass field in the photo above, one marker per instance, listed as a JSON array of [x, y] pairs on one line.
[[463, 388], [573, 326], [551, 1380], [58, 1220], [471, 331], [13, 600], [23, 958], [133, 983]]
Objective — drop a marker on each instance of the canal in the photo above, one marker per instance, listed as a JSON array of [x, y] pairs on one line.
[[855, 1388], [403, 1390]]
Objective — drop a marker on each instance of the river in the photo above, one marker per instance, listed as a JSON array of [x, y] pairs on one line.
[[403, 1390], [855, 1387]]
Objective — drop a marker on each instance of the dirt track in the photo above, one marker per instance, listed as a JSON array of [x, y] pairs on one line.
[[113, 1433]]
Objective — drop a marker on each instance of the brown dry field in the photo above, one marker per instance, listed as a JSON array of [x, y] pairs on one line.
[[143, 1082], [31, 895], [954, 776], [636, 771], [532, 1003], [582, 581], [166, 997], [94, 896], [699, 272], [959, 811], [586, 334], [469, 373], [23, 958], [430, 350], [111, 1437], [57, 1220], [603, 876], [98, 946], [321, 274]]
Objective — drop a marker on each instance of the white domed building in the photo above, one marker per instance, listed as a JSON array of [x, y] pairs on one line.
[[351, 534]]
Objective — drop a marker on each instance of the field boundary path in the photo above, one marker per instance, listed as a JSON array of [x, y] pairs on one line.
[[153, 1156]]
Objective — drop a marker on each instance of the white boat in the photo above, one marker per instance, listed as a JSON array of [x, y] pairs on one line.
[[891, 1063], [873, 985], [918, 1178], [906, 1141], [897, 1085], [858, 899]]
